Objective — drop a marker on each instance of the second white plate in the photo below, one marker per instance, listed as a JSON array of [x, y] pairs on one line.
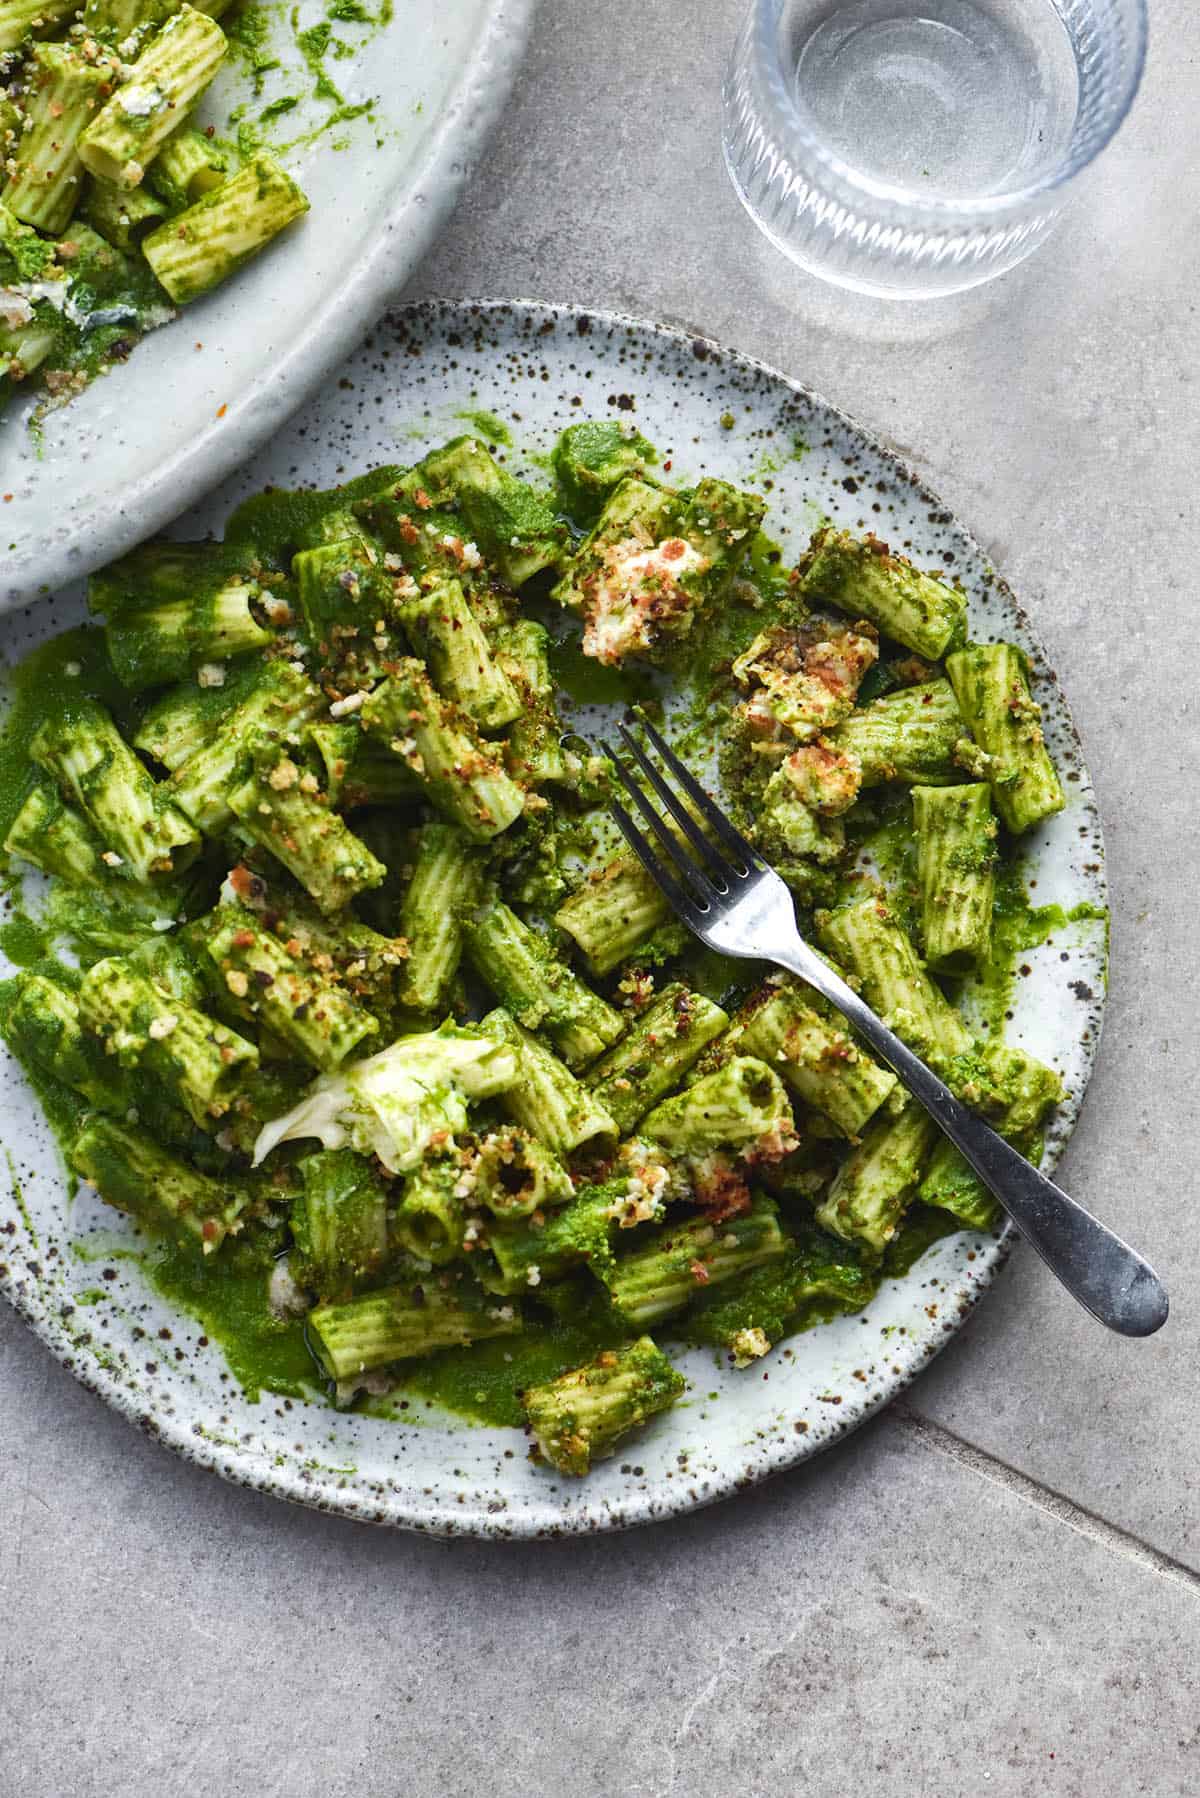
[[200, 395]]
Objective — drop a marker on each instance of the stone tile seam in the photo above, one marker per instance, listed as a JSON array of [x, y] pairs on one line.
[[1108, 1536]]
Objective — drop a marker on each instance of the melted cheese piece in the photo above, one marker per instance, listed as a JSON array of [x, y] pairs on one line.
[[636, 588], [392, 1104]]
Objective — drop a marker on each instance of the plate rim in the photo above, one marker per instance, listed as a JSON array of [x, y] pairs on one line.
[[428, 1511], [334, 329]]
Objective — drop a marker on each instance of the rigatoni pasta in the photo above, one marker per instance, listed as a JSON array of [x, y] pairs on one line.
[[365, 1020], [115, 209]]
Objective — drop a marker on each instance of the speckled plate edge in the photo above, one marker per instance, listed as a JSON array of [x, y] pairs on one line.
[[439, 1510], [339, 320]]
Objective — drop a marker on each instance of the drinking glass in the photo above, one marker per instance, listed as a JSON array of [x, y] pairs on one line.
[[918, 147]]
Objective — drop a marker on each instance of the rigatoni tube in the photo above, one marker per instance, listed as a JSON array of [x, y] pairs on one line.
[[991, 683], [189, 164], [281, 806], [133, 1174], [400, 1322], [140, 829], [443, 889], [43, 1028], [446, 633], [461, 774], [956, 872], [614, 913], [282, 701], [121, 215], [656, 561], [1005, 1084], [63, 94], [128, 25], [866, 579], [262, 980], [750, 1314], [345, 597], [592, 458], [741, 1106], [431, 1217], [57, 839], [912, 735], [164, 84], [21, 19], [515, 526], [655, 1054], [178, 724], [166, 641], [546, 1099], [197, 1060], [203, 246], [580, 1417], [514, 1175], [170, 608], [681, 1260], [361, 962], [815, 1054], [538, 988], [24, 348], [339, 1221], [534, 754], [950, 1184], [533, 1251], [874, 1184]]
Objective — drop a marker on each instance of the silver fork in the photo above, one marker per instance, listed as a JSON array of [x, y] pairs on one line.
[[740, 906]]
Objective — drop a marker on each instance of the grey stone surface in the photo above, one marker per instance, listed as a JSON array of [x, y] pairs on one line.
[[886, 1621], [907, 1616]]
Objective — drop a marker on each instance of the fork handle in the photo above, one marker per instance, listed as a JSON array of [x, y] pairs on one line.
[[1107, 1277]]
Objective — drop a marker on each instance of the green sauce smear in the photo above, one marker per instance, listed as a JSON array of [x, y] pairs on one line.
[[488, 426], [484, 1382], [230, 1300]]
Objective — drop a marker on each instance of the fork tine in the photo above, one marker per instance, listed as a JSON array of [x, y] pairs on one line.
[[677, 898], [729, 834], [702, 887], [696, 837]]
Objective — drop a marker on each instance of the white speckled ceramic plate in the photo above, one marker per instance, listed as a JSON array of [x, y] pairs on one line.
[[67, 1266], [199, 396]]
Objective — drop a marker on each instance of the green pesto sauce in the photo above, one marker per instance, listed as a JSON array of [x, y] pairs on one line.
[[41, 687], [588, 682], [881, 832], [1017, 926], [314, 45], [923, 1226], [274, 522], [484, 1382], [766, 464], [249, 35], [268, 40], [487, 426], [228, 1295], [23, 941]]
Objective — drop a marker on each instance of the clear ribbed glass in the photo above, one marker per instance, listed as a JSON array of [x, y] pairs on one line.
[[913, 148]]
